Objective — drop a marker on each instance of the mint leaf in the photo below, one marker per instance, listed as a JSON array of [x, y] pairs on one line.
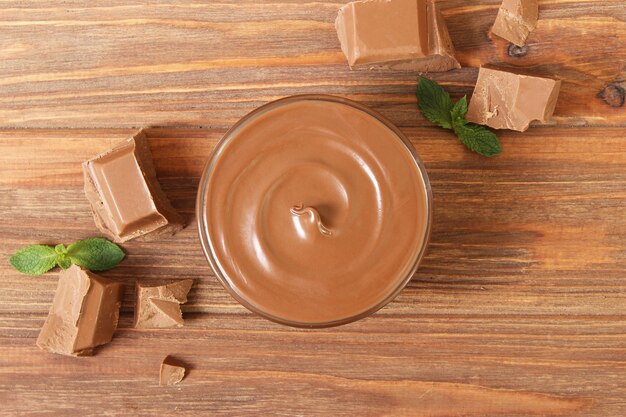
[[34, 259], [434, 102], [95, 254], [478, 139], [457, 114]]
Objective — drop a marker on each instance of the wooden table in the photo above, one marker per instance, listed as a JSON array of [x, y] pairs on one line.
[[519, 307]]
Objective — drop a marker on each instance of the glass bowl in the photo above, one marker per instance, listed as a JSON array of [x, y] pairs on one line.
[[215, 243]]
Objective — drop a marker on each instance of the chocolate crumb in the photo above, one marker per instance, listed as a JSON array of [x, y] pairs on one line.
[[171, 372]]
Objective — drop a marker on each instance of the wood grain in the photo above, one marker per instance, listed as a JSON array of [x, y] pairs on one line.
[[131, 63], [517, 310]]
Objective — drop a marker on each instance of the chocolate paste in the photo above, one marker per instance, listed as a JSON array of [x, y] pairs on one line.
[[314, 211]]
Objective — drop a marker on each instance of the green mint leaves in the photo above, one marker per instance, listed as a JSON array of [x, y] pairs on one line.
[[437, 106], [95, 254], [35, 259], [478, 139], [434, 103]]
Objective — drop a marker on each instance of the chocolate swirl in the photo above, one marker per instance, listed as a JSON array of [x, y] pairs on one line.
[[313, 218]]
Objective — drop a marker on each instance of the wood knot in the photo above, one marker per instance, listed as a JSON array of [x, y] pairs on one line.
[[515, 51], [613, 95]]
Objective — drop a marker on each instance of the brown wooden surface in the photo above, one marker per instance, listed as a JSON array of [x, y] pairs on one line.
[[519, 308], [129, 63]]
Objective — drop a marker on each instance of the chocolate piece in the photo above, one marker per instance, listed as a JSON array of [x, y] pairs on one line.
[[399, 34], [505, 100], [515, 20], [83, 315], [159, 307], [171, 372], [125, 196]]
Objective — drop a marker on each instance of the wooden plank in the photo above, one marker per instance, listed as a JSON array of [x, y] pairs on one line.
[[517, 309], [384, 366], [128, 63]]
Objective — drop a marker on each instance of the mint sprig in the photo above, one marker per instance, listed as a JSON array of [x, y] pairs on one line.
[[95, 254], [437, 106]]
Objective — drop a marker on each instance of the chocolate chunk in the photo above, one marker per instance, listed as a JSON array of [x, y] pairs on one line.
[[172, 371], [159, 307], [505, 100], [83, 315], [515, 20], [125, 196], [399, 34]]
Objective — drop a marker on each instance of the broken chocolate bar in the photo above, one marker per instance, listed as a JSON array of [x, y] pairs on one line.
[[505, 100], [399, 34], [515, 20], [125, 196], [171, 372], [83, 315], [159, 307]]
